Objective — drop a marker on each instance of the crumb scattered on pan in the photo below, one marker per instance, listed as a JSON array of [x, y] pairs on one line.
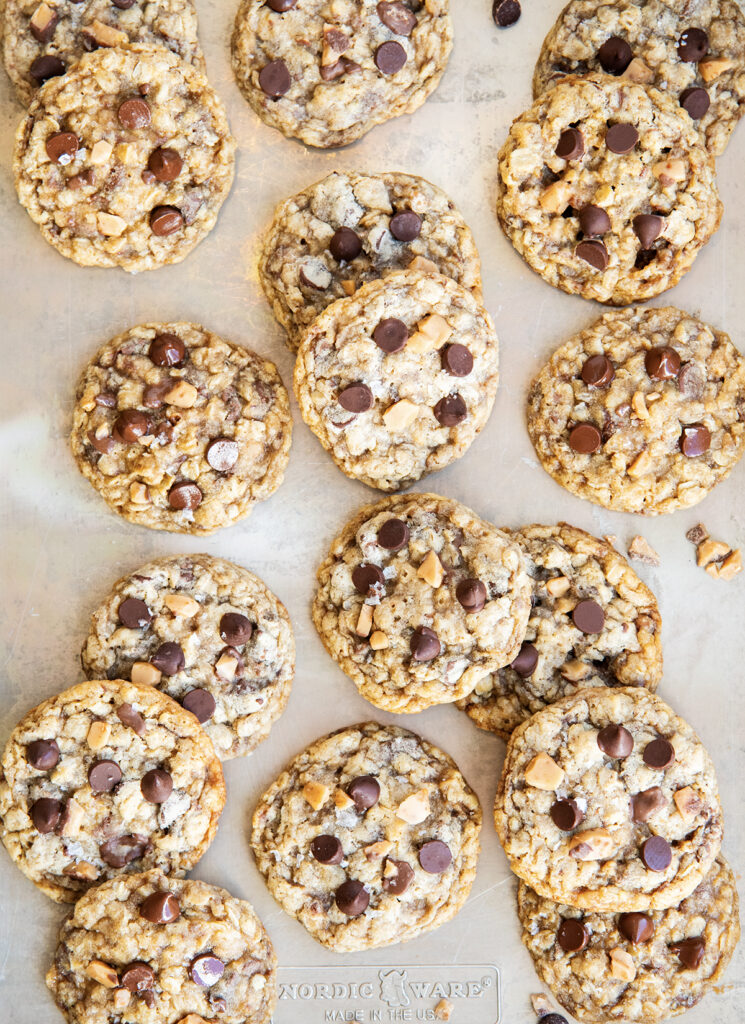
[[714, 556], [540, 1002], [443, 1009], [697, 533], [642, 551]]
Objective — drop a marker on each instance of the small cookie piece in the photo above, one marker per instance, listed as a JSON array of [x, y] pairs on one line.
[[327, 73], [125, 160], [675, 956], [419, 599], [107, 777], [693, 52], [43, 40], [607, 190], [573, 575], [399, 379], [625, 764], [178, 429], [150, 947], [360, 869], [644, 411], [350, 228], [208, 633]]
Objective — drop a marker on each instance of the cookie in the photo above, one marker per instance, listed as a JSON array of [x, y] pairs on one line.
[[178, 429], [608, 802], [607, 190], [149, 949], [126, 160], [644, 411], [592, 623], [350, 228], [399, 379], [208, 633], [419, 599], [326, 73], [639, 967], [693, 51], [369, 837], [108, 776], [43, 40]]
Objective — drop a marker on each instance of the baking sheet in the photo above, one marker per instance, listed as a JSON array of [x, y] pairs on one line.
[[61, 549]]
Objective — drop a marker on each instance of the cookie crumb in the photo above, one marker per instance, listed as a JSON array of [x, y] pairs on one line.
[[642, 551], [715, 557], [443, 1009], [541, 1005], [697, 533], [611, 538]]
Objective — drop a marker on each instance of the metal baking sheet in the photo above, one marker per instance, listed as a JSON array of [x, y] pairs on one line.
[[61, 549]]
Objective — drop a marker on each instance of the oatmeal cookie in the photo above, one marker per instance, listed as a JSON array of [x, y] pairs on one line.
[[327, 71], [419, 599], [607, 190], [208, 633], [126, 160], [108, 776], [609, 802], [369, 837], [350, 228], [399, 379], [180, 430], [644, 411], [592, 623], [639, 967], [153, 949], [692, 49]]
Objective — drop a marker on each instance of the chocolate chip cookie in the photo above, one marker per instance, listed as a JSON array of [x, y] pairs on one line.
[[107, 777], [399, 379], [326, 73], [125, 160], [642, 412], [178, 429], [607, 189], [640, 967], [208, 633], [350, 228], [369, 837], [419, 599], [609, 802], [693, 51], [43, 40], [153, 949], [592, 623]]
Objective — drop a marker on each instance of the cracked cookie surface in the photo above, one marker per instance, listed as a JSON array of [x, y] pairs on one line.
[[419, 599], [326, 71], [180, 430], [608, 801], [664, 424], [607, 190], [237, 650], [126, 160], [396, 827], [559, 657], [108, 776], [399, 379], [153, 949]]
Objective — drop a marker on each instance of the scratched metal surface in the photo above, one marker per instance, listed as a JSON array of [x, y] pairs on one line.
[[61, 548]]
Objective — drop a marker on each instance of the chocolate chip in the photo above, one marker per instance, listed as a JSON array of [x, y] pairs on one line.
[[122, 850], [588, 616], [647, 227], [365, 791], [160, 908], [390, 57], [695, 439], [185, 495], [636, 927], [424, 644], [222, 454], [327, 850], [572, 935], [352, 898], [391, 335], [566, 814], [691, 381], [106, 400], [456, 360], [61, 147], [164, 220], [235, 629], [104, 445], [615, 741], [366, 577], [690, 951], [169, 658], [594, 220], [397, 883], [693, 45], [343, 66], [134, 113], [526, 661], [621, 138], [356, 398], [167, 350], [393, 535], [280, 6], [123, 5], [165, 164], [138, 977], [662, 363], [42, 754], [450, 410], [44, 68], [615, 55], [598, 371], [131, 718], [104, 775], [435, 857], [505, 12], [585, 438], [206, 970], [593, 252], [345, 245], [646, 804], [553, 1018], [156, 786], [201, 703], [656, 853], [44, 35], [274, 79], [134, 613], [571, 144], [644, 257], [132, 424], [397, 17], [405, 225], [471, 593], [695, 101], [45, 814], [659, 754]]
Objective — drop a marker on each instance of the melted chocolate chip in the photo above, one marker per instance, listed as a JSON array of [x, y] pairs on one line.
[[398, 876], [659, 754], [122, 850], [185, 495], [393, 535], [566, 814], [406, 225], [131, 718], [598, 371], [390, 57], [365, 791], [526, 661], [662, 363], [345, 245], [167, 350], [636, 927], [274, 79], [201, 703], [615, 55], [695, 101], [424, 644], [46, 67], [588, 616], [156, 786], [134, 113], [690, 951], [352, 898], [45, 814], [104, 776], [391, 335], [435, 857], [327, 850], [695, 440], [621, 138], [61, 147], [160, 908], [42, 754], [235, 629], [134, 613], [572, 935], [693, 45], [471, 594], [646, 804], [615, 741], [647, 228], [164, 220], [166, 164], [366, 577], [585, 438], [169, 658], [222, 454], [656, 853], [138, 977], [130, 425], [356, 398], [450, 410], [571, 144], [206, 970], [397, 17], [456, 360]]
